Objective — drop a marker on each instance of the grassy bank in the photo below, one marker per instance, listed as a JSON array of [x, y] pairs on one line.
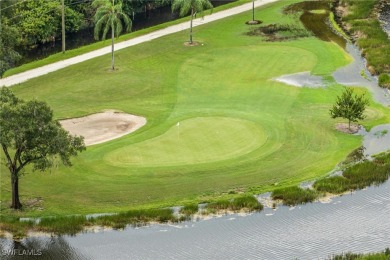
[[359, 176], [360, 20], [355, 176], [238, 129], [71, 225]]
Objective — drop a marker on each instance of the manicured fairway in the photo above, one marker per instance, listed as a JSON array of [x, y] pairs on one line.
[[217, 121]]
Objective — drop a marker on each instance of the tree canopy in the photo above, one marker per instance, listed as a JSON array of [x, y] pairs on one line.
[[109, 16], [30, 135], [349, 106]]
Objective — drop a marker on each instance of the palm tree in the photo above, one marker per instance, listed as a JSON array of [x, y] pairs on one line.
[[196, 6], [109, 16]]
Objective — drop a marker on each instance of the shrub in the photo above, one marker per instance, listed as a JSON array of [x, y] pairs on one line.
[[357, 176], [244, 202], [294, 195], [189, 209], [384, 80]]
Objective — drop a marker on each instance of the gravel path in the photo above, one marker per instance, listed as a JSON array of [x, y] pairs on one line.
[[24, 76]]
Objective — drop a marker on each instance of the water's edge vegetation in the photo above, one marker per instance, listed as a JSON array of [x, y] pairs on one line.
[[384, 255], [358, 175], [359, 20]]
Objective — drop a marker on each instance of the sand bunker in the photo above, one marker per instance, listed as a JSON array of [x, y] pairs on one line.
[[102, 127], [301, 79]]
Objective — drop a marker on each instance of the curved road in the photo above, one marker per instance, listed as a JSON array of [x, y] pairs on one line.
[[24, 76]]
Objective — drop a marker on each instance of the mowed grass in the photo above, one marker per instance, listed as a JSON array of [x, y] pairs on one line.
[[195, 140], [249, 132]]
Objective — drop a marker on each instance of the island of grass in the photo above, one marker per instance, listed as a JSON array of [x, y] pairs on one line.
[[216, 121]]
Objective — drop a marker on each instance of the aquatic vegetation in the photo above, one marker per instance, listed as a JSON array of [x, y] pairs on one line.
[[189, 209], [385, 255], [248, 203], [294, 195], [61, 225], [384, 80], [381, 133], [335, 184], [358, 176], [14, 226], [362, 24], [135, 217]]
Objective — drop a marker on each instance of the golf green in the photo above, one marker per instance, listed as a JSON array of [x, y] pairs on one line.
[[196, 140]]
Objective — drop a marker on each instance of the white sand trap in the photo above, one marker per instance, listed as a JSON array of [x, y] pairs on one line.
[[301, 79], [102, 127]]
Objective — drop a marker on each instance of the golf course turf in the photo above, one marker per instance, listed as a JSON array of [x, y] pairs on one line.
[[216, 120]]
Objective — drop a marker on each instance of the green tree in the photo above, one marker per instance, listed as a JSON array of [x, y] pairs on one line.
[[29, 135], [8, 42], [109, 16], [39, 21], [195, 6], [349, 106]]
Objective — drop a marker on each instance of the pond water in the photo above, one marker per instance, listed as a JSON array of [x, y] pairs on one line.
[[351, 75], [384, 16], [358, 222]]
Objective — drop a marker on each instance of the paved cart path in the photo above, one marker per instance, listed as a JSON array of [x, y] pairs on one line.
[[24, 76]]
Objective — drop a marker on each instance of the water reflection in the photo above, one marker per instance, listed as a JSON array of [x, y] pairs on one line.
[[377, 140], [384, 16], [41, 248]]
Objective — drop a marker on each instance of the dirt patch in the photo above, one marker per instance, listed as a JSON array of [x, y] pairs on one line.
[[343, 127], [279, 32], [102, 127], [192, 44], [253, 22]]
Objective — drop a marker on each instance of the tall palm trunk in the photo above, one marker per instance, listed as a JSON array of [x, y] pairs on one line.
[[253, 10], [112, 47], [192, 17]]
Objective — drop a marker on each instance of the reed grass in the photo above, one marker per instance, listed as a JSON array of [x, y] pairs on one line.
[[384, 80], [358, 176], [14, 226], [62, 225], [385, 255], [135, 218], [294, 195], [372, 40], [189, 209], [248, 203]]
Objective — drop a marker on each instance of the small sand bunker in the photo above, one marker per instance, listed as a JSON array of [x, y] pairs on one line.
[[301, 79], [102, 127]]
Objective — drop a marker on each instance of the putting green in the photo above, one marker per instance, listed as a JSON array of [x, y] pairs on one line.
[[192, 141]]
